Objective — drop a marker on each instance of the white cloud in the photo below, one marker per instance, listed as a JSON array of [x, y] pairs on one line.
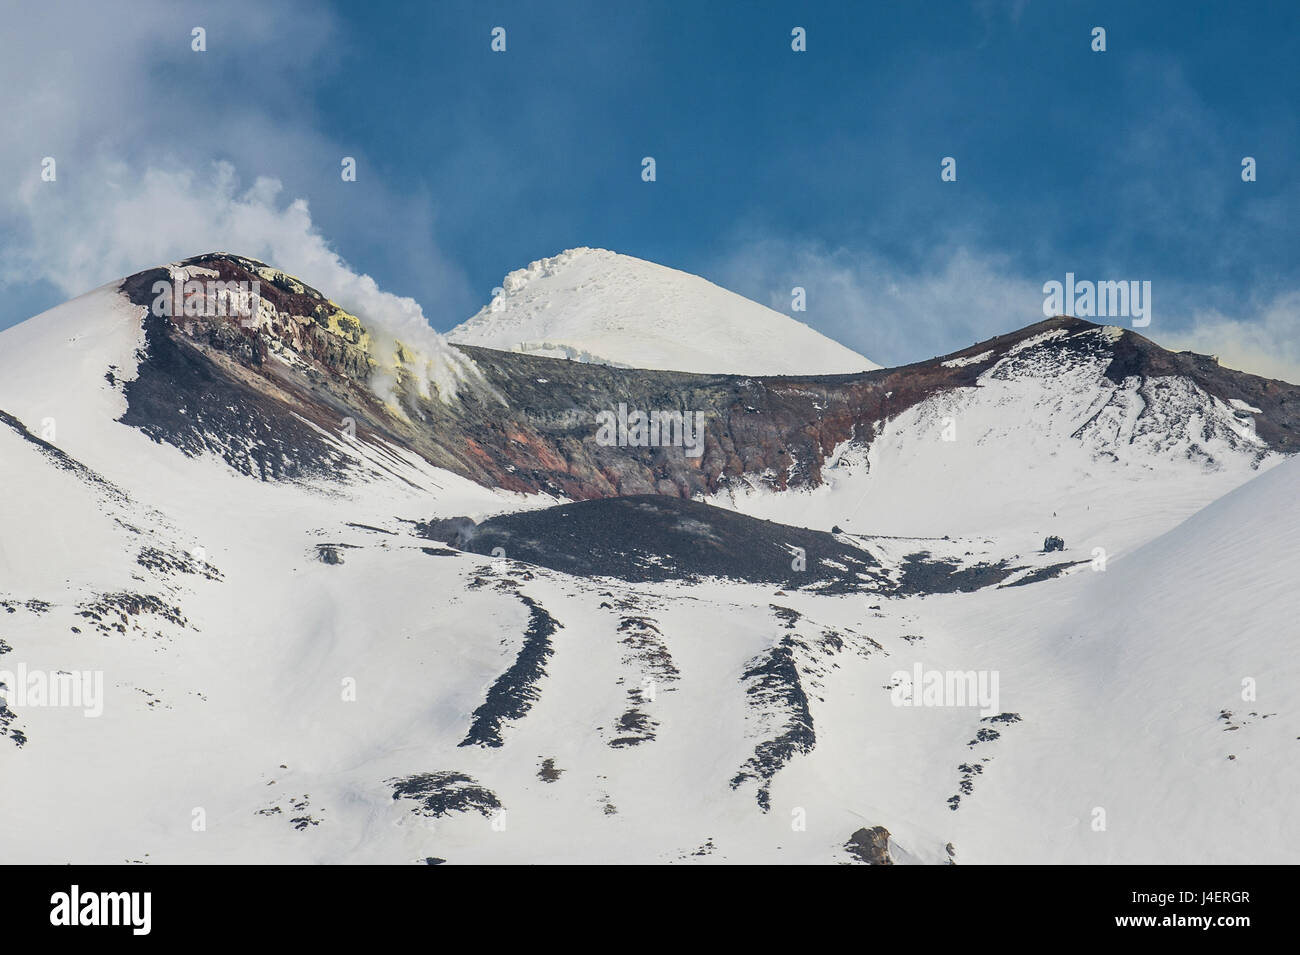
[[160, 216], [958, 297], [131, 119], [891, 315], [1263, 339]]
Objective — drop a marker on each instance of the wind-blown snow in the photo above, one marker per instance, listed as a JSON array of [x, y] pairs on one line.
[[599, 306]]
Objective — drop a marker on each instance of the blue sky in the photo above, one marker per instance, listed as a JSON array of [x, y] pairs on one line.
[[774, 168]]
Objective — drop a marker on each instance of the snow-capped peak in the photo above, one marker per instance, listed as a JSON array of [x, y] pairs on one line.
[[603, 307]]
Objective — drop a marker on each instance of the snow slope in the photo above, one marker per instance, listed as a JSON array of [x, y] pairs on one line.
[[599, 306], [292, 674], [1160, 691], [1043, 444]]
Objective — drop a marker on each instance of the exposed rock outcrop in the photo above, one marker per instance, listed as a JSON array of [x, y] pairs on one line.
[[870, 846], [261, 397]]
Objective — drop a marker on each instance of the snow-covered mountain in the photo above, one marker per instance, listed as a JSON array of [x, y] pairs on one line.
[[594, 305], [1045, 428], [435, 618]]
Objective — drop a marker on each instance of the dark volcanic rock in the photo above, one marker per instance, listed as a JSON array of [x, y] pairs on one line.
[[442, 793], [180, 397], [870, 846], [773, 684], [456, 531], [925, 574], [526, 423], [8, 718], [515, 691], [1044, 573], [651, 538]]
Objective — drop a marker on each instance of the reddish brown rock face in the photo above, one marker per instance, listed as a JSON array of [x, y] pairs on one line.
[[531, 424]]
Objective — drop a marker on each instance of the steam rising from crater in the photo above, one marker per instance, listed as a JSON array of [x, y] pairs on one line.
[[168, 215], [432, 366]]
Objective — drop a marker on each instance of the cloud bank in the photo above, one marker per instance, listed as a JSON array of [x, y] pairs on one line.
[[958, 297], [130, 122]]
